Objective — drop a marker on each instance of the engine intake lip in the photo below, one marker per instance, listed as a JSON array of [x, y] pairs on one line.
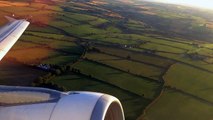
[[108, 108]]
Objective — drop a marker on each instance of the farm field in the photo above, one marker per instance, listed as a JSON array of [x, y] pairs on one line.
[[30, 55], [156, 58], [137, 56], [129, 100], [161, 48], [40, 47], [182, 106], [201, 64], [61, 60], [190, 80], [127, 65], [144, 87]]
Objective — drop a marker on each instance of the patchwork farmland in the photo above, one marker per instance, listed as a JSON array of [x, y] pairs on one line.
[[129, 49]]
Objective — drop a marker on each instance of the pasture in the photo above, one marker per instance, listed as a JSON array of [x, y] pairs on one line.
[[137, 56], [176, 106], [137, 85], [128, 45], [191, 80], [127, 65]]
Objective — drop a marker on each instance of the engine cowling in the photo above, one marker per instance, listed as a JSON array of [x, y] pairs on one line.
[[24, 103]]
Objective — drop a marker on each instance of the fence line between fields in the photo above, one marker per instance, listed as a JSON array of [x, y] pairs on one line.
[[156, 99], [151, 104]]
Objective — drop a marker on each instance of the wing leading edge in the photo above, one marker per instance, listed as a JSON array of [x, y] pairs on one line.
[[10, 33]]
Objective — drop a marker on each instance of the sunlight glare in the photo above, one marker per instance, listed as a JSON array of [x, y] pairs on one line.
[[195, 3]]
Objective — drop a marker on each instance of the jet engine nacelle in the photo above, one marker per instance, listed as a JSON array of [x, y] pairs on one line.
[[24, 103]]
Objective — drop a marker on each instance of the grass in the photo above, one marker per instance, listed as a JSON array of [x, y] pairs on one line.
[[120, 79], [158, 42], [106, 38], [49, 7], [127, 65], [8, 3], [190, 80], [69, 47], [82, 17], [176, 106], [161, 48], [83, 30], [19, 45], [209, 60], [98, 21], [153, 38], [135, 25], [133, 104], [46, 41], [35, 39], [59, 44], [112, 29], [46, 29], [79, 24], [50, 36], [182, 58], [150, 59], [93, 20], [18, 10], [60, 60], [23, 11], [31, 55], [207, 45], [64, 20], [174, 43], [204, 52]]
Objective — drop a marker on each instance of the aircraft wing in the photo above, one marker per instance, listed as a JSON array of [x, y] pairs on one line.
[[23, 103], [10, 33]]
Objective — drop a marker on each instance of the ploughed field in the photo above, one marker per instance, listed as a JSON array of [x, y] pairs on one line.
[[129, 49]]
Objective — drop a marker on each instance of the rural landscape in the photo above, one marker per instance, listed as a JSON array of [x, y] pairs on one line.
[[157, 59]]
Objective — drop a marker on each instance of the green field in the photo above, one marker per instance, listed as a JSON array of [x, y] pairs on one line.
[[50, 36], [190, 80], [131, 49], [185, 59], [141, 86], [20, 45], [68, 46], [161, 48], [61, 60], [127, 65], [47, 29], [104, 38], [145, 58], [176, 106]]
